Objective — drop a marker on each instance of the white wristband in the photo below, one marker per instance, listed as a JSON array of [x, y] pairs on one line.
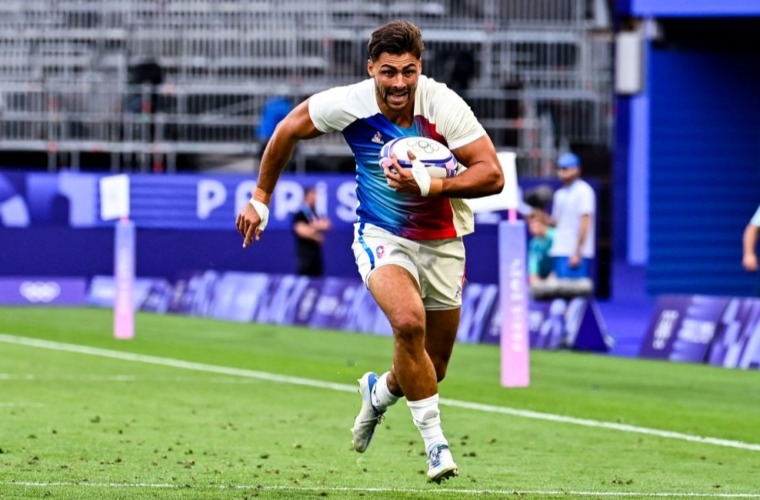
[[263, 212], [421, 175]]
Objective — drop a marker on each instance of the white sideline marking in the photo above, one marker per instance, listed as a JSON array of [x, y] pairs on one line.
[[67, 378], [31, 377], [261, 487], [8, 404], [285, 379]]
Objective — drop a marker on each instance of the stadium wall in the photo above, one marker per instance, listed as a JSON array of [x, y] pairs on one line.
[[704, 170], [687, 161]]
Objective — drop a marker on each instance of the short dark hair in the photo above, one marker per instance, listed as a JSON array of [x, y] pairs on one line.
[[396, 37]]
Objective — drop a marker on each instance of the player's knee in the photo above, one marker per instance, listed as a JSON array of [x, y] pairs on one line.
[[409, 329]]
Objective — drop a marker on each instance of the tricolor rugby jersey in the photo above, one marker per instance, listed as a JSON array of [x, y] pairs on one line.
[[439, 113]]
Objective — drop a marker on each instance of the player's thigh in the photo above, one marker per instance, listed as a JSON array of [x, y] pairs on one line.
[[388, 267], [441, 268], [441, 328], [375, 247], [397, 293]]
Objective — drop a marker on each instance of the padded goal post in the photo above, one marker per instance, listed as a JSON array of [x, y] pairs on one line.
[[513, 283], [114, 205]]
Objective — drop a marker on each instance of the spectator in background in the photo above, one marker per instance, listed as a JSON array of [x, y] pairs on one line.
[[272, 113], [146, 72], [143, 81], [573, 215], [749, 258], [408, 237], [459, 70], [540, 262], [309, 228]]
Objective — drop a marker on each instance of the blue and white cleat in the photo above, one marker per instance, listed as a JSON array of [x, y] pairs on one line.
[[441, 464], [369, 416]]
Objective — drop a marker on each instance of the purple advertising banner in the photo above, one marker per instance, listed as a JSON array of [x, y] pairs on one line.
[[683, 327], [150, 294], [737, 341], [546, 323], [335, 303], [344, 304], [554, 324], [721, 331], [43, 291], [478, 320]]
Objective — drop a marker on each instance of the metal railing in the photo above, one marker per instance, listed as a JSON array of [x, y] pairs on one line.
[[537, 73]]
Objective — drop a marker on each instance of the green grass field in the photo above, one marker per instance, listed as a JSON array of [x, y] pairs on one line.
[[195, 408]]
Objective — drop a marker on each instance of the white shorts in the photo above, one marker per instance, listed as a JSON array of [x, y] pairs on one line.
[[437, 265]]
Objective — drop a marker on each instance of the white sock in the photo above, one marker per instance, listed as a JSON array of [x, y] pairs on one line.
[[427, 418], [381, 396]]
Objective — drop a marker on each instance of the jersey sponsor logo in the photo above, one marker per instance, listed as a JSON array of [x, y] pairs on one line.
[[378, 138]]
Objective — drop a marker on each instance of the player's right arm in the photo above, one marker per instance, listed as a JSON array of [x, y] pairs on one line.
[[294, 128], [749, 240]]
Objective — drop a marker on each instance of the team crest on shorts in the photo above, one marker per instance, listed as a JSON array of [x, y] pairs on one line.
[[380, 251]]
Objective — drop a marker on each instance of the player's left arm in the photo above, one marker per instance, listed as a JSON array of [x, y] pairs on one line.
[[483, 176], [472, 147], [468, 141]]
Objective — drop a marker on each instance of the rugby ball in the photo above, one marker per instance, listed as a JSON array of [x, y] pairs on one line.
[[436, 157]]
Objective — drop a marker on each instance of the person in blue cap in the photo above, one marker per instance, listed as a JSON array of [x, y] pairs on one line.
[[574, 217]]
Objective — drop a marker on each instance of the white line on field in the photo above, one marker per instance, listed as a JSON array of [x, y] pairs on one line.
[[8, 404], [435, 490], [285, 379], [32, 377], [64, 378]]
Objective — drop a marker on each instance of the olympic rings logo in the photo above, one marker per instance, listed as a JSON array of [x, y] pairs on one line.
[[422, 145], [40, 291]]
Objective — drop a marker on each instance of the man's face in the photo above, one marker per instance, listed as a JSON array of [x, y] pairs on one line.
[[310, 197], [395, 80], [568, 174]]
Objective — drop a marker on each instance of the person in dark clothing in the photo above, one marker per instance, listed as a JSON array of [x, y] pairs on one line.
[[309, 228]]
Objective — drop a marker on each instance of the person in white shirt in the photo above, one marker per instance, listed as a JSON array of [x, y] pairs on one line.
[[574, 216]]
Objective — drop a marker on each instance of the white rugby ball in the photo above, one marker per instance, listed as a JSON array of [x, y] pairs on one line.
[[436, 157]]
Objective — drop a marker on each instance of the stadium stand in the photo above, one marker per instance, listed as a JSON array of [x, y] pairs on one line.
[[537, 73]]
